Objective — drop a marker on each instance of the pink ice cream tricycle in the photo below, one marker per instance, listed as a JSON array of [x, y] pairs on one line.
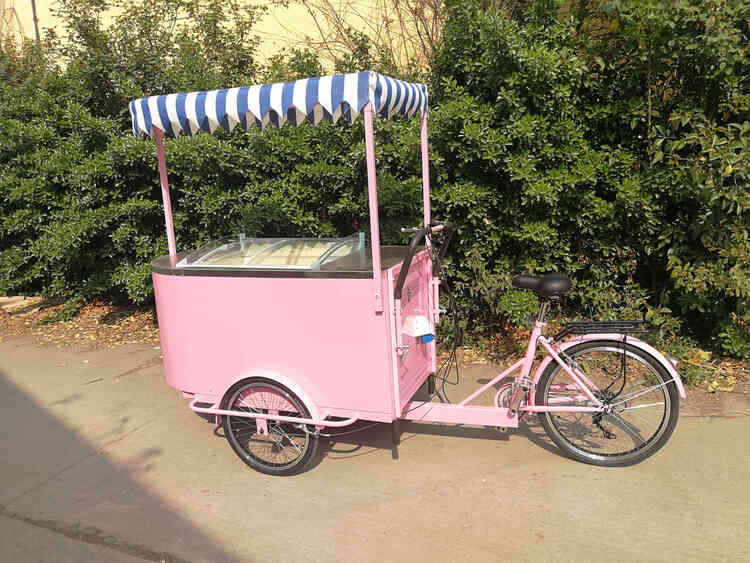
[[279, 339]]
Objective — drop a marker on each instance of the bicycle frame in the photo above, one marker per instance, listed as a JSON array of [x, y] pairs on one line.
[[525, 364], [465, 413]]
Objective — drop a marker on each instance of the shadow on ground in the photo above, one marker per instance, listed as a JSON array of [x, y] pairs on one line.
[[42, 453]]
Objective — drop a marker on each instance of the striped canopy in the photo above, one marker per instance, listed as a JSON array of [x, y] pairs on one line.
[[308, 100]]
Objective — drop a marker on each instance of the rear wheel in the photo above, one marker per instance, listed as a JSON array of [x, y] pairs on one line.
[[642, 404], [273, 447]]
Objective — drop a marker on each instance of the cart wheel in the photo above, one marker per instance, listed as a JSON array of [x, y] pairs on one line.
[[272, 447]]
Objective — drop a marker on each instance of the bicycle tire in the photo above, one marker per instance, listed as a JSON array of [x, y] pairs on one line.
[[257, 450], [579, 440]]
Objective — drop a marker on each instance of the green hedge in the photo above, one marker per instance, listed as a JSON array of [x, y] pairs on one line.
[[612, 146]]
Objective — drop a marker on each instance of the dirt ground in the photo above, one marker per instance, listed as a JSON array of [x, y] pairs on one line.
[[97, 325], [103, 461]]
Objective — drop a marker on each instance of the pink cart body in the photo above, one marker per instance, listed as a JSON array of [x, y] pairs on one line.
[[319, 335]]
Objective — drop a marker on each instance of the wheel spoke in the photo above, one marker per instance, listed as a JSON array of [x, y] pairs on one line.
[[630, 429], [641, 406], [637, 394]]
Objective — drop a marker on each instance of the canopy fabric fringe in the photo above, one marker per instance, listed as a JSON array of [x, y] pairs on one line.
[[303, 101]]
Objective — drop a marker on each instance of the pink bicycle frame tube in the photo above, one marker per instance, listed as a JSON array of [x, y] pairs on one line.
[[524, 364], [486, 386], [158, 138], [372, 192]]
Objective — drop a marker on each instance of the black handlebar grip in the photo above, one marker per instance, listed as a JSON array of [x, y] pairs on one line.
[[449, 232], [415, 239]]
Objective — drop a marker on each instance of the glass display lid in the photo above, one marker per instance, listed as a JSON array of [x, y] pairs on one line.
[[274, 253]]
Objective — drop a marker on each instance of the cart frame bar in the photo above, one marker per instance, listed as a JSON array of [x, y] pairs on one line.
[[243, 414], [372, 191]]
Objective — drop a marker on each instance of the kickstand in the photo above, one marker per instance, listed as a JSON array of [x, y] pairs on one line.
[[395, 437], [396, 432]]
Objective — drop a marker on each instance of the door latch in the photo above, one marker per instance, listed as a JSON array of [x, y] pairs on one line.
[[402, 350]]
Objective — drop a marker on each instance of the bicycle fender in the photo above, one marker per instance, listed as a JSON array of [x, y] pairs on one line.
[[635, 342], [293, 384]]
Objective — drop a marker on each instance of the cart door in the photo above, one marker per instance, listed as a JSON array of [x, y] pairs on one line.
[[414, 343]]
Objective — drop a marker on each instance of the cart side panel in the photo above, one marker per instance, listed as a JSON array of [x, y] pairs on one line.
[[321, 333], [416, 299]]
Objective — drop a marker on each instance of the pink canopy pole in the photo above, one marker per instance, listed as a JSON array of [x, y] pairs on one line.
[[425, 170], [434, 299], [158, 138], [372, 190]]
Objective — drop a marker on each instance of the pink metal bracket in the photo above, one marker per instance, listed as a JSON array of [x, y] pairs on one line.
[[158, 138], [270, 416]]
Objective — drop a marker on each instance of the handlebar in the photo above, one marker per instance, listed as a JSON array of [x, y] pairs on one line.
[[448, 233], [436, 227], [419, 234]]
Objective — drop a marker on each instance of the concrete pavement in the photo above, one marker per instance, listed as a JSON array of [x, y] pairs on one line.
[[102, 461], [23, 541]]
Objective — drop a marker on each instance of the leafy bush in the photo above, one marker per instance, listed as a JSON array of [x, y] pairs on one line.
[[611, 144]]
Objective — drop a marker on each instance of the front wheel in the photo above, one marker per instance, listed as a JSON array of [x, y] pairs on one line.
[[641, 398], [273, 447]]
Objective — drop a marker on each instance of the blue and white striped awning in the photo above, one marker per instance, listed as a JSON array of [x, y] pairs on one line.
[[308, 100]]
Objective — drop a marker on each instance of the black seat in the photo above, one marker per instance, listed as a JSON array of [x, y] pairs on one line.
[[551, 285]]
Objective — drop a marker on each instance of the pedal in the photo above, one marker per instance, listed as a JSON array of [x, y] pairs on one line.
[[520, 392]]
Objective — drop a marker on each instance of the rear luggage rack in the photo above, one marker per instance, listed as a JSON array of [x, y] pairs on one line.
[[603, 327]]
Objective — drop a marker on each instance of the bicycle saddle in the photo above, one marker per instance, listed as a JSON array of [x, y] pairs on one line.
[[551, 285]]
